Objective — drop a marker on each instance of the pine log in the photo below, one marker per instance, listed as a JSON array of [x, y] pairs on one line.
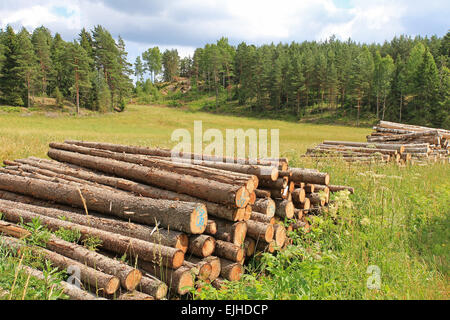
[[263, 246], [218, 175], [213, 261], [249, 246], [203, 269], [129, 277], [179, 280], [258, 230], [280, 183], [357, 149], [262, 193], [168, 153], [211, 227], [266, 206], [201, 245], [181, 216], [206, 189], [134, 295], [305, 206], [70, 290], [280, 235], [231, 232], [13, 230], [228, 250], [161, 236], [213, 209], [260, 217], [230, 270], [110, 241], [307, 176], [298, 213], [284, 209], [316, 199], [341, 188], [153, 287], [299, 195]]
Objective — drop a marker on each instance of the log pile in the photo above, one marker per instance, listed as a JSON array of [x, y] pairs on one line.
[[180, 224], [390, 142]]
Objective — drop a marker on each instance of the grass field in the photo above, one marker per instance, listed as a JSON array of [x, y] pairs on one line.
[[398, 219]]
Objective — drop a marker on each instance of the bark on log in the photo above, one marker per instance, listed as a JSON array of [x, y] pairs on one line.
[[260, 217], [218, 175], [230, 270], [262, 193], [202, 269], [305, 206], [179, 281], [316, 200], [168, 153], [307, 176], [197, 187], [280, 183], [181, 216], [153, 286], [260, 231], [213, 209], [263, 246], [266, 206], [72, 291], [113, 242], [284, 209], [228, 250], [341, 188], [161, 236], [211, 227]]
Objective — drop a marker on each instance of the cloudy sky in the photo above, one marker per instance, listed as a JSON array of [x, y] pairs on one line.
[[187, 24]]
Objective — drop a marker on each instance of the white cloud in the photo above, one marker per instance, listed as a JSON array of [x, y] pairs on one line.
[[186, 24]]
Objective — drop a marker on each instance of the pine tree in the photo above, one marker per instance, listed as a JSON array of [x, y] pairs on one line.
[[42, 40], [12, 87], [59, 78], [152, 62], [361, 77], [170, 62], [78, 67], [139, 69], [27, 63]]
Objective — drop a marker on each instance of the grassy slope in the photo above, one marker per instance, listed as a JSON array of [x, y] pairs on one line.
[[399, 220]]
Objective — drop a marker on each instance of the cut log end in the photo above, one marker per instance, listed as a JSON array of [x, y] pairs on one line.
[[208, 247], [242, 198], [133, 279], [112, 286], [236, 272], [178, 259], [186, 283], [268, 236], [199, 220], [182, 242], [280, 235]]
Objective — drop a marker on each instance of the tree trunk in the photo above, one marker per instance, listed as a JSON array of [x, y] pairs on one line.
[[139, 189], [284, 209], [181, 216], [161, 236], [258, 230], [228, 250], [110, 241], [231, 232], [198, 187], [154, 287], [308, 176], [260, 217], [231, 271], [201, 245], [179, 280]]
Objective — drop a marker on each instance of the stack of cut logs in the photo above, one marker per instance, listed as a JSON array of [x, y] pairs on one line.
[[391, 141], [179, 223]]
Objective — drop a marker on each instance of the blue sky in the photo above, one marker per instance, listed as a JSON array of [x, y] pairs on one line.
[[187, 24]]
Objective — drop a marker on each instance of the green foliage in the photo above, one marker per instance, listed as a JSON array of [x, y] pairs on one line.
[[59, 97], [69, 235], [91, 242], [40, 235]]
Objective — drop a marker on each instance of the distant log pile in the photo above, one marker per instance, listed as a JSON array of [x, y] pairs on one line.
[[181, 224], [390, 142]]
